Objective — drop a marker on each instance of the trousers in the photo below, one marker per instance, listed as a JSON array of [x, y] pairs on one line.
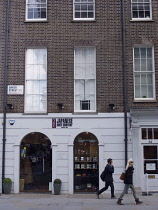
[[107, 184], [127, 186]]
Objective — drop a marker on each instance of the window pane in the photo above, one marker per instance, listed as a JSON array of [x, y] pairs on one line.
[[149, 52], [136, 53], [143, 65], [137, 91], [149, 64], [150, 136], [144, 91], [155, 133], [90, 14], [144, 134], [137, 79], [137, 65], [135, 14], [150, 91], [77, 14], [83, 14], [143, 52]]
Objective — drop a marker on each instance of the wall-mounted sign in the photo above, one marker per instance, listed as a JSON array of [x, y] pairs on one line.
[[150, 166], [62, 122], [15, 89]]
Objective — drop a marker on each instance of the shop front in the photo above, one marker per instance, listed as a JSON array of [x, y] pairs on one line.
[[145, 148]]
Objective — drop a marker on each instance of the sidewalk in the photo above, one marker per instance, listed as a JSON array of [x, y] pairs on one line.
[[74, 202]]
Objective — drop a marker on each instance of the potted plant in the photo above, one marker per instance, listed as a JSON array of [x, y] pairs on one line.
[[57, 186], [7, 185]]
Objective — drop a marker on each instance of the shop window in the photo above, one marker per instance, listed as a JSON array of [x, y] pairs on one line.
[[149, 133], [151, 159], [86, 160]]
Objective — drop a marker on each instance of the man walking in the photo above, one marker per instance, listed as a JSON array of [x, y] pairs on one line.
[[109, 170]]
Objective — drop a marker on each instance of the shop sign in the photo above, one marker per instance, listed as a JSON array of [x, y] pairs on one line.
[[62, 122], [150, 166], [15, 89]]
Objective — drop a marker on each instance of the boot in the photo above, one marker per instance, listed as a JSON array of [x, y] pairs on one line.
[[119, 201], [97, 194], [137, 201]]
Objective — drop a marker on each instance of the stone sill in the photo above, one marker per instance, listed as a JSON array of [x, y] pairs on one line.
[[145, 101]]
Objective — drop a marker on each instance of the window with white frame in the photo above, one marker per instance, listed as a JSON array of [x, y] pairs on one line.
[[36, 9], [36, 81], [85, 79], [84, 9], [149, 133], [144, 73], [141, 9]]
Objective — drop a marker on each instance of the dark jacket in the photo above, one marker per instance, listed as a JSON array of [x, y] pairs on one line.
[[129, 176], [109, 170]]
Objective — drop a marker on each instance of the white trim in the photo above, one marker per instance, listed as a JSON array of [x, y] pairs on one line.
[[84, 111], [153, 73], [84, 19], [38, 80], [34, 19], [140, 19]]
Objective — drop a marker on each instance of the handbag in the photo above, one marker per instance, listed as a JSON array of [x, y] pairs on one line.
[[122, 177]]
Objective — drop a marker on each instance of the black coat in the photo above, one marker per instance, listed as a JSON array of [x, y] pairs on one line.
[[129, 176], [109, 170]]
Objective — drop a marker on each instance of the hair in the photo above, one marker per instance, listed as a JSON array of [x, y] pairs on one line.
[[130, 160], [109, 160]]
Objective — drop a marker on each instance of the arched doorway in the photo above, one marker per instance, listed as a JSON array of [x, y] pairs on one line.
[[35, 163], [86, 163]]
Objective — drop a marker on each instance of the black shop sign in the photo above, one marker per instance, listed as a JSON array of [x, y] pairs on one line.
[[62, 122]]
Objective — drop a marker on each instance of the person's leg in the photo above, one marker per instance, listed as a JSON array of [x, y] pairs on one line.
[[112, 189], [126, 187], [134, 194], [104, 188]]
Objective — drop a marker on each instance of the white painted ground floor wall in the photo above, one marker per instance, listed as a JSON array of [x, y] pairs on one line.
[[108, 128]]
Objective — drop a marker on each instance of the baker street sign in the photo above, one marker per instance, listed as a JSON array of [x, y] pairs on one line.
[[62, 122]]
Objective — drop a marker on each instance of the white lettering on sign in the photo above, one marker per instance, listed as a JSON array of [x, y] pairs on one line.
[[15, 89], [62, 122]]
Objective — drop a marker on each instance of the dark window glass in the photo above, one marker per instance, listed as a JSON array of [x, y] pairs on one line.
[[77, 14], [135, 14], [150, 136], [83, 14], [155, 133], [90, 14], [144, 133]]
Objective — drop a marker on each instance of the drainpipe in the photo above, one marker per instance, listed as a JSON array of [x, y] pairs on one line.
[[5, 91], [124, 81]]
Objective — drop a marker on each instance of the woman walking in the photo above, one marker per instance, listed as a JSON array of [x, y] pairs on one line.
[[129, 183]]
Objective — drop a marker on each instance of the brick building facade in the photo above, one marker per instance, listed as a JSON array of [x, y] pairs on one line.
[[76, 37]]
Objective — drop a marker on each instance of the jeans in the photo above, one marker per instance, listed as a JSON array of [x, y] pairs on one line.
[[127, 186], [107, 184]]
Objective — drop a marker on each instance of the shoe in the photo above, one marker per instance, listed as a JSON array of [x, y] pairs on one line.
[[97, 195], [119, 201], [113, 197], [137, 201]]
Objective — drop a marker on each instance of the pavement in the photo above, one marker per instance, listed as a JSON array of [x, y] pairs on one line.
[[30, 201]]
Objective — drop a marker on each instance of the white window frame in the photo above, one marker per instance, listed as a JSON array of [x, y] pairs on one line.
[[84, 111], [85, 19], [153, 73], [148, 140], [34, 19], [34, 112], [144, 19]]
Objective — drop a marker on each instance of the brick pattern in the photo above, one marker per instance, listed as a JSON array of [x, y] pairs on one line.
[[60, 34]]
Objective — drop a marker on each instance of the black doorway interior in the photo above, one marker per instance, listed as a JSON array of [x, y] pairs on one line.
[[35, 163]]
